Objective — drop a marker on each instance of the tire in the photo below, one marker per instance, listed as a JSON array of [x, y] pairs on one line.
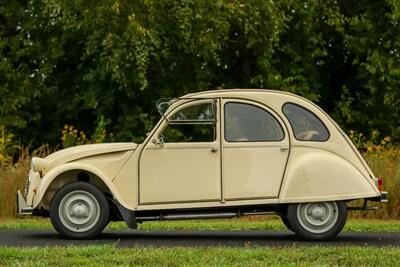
[[318, 220], [286, 222], [79, 210]]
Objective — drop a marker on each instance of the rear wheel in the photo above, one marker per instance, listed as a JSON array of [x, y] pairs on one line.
[[79, 210], [317, 220]]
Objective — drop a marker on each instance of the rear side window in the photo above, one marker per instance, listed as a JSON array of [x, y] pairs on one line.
[[248, 123], [305, 124]]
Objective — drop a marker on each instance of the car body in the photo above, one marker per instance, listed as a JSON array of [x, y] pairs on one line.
[[213, 154]]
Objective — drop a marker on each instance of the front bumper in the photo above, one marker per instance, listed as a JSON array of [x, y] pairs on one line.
[[22, 207]]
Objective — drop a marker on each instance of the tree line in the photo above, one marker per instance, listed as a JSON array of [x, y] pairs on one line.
[[78, 62]]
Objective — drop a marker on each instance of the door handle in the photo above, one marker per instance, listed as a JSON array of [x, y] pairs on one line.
[[214, 149], [284, 148]]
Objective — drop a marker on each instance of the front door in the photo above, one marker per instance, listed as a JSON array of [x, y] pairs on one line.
[[255, 151], [181, 163]]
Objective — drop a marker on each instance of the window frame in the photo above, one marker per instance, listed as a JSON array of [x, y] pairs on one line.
[[315, 115], [192, 121], [263, 109], [184, 105]]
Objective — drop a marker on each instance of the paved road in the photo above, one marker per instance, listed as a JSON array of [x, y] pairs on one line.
[[139, 238]]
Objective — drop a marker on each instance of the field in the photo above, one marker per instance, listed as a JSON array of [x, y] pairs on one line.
[[111, 255], [259, 223], [384, 161], [221, 256]]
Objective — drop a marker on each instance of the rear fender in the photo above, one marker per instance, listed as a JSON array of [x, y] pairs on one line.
[[320, 175]]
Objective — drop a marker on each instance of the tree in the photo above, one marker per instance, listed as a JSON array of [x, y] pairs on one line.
[[79, 61]]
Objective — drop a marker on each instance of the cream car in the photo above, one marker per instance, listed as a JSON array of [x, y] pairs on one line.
[[214, 154]]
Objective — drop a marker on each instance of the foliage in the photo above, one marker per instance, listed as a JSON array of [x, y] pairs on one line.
[[79, 61], [7, 147], [73, 137]]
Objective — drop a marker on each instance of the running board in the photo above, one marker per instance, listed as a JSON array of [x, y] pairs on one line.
[[199, 216]]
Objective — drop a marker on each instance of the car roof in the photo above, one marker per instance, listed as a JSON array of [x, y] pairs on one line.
[[272, 97], [236, 91], [265, 95]]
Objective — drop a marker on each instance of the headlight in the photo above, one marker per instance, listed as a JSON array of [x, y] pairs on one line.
[[38, 164]]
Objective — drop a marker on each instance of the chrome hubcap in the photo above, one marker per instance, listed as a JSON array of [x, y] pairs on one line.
[[317, 217], [79, 211]]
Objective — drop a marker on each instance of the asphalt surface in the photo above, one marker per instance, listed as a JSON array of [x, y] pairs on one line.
[[139, 238]]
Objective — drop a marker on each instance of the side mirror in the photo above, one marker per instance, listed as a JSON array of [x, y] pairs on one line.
[[159, 141]]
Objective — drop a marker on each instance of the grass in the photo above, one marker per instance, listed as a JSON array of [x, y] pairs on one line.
[[260, 223], [110, 255], [386, 165], [12, 179]]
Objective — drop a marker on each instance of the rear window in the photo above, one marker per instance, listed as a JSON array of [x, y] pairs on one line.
[[305, 124]]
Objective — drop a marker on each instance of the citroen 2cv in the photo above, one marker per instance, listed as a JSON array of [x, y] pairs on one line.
[[213, 154]]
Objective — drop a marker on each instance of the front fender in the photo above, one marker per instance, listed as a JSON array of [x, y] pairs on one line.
[[74, 166], [319, 175]]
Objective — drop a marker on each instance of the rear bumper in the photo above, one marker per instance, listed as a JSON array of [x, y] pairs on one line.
[[22, 207], [382, 198]]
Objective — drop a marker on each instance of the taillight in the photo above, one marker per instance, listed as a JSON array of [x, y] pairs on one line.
[[380, 184]]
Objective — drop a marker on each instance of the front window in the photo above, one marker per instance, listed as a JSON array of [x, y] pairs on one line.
[[196, 123], [195, 114], [305, 124], [249, 123]]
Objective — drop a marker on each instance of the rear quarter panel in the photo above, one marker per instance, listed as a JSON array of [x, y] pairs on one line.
[[315, 174]]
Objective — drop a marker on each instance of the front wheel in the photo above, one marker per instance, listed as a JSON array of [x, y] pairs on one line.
[[79, 210], [317, 220], [286, 222]]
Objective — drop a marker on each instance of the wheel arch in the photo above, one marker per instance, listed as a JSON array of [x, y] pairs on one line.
[[70, 172]]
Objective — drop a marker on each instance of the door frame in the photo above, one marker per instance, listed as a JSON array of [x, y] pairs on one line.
[[280, 120], [159, 128]]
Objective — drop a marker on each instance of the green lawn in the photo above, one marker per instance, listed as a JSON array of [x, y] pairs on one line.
[[220, 256], [258, 223], [110, 255]]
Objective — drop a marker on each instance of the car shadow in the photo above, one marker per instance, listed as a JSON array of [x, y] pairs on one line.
[[172, 238]]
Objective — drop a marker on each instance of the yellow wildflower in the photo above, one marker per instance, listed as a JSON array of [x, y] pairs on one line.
[[66, 126], [387, 138], [370, 149], [1, 157], [383, 142]]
